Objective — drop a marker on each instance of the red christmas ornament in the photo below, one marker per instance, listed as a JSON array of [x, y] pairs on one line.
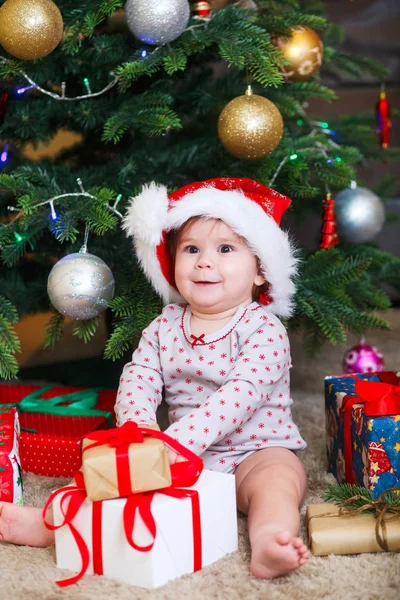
[[329, 236], [3, 106], [201, 9], [384, 123]]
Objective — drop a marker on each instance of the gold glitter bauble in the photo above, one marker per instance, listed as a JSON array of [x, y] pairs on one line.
[[30, 29], [304, 52], [250, 126]]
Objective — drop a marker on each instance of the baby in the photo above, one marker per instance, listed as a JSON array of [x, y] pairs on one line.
[[216, 254]]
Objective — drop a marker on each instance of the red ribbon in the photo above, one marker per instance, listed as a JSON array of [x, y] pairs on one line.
[[380, 398], [186, 473], [183, 474]]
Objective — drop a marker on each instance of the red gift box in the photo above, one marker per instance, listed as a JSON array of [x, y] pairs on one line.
[[10, 469], [50, 444]]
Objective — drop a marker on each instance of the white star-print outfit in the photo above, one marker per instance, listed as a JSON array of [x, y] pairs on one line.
[[228, 392]]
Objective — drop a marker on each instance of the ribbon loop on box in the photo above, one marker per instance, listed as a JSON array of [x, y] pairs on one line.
[[76, 497], [380, 399], [140, 503], [75, 404]]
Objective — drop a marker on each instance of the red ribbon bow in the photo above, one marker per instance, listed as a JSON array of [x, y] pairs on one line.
[[129, 433], [183, 474], [380, 398]]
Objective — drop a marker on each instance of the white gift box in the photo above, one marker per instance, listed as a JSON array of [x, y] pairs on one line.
[[173, 552]]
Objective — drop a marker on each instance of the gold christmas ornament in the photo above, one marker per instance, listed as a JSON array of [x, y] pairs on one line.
[[30, 29], [304, 52], [250, 126]]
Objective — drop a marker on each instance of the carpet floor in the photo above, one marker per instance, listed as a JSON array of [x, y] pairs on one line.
[[29, 573]]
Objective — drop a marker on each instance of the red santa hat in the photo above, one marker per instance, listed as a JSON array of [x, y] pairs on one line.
[[251, 209]]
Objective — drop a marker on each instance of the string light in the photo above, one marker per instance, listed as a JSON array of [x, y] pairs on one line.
[[21, 91], [4, 154], [54, 95], [87, 85], [117, 200], [52, 210], [115, 78], [52, 200]]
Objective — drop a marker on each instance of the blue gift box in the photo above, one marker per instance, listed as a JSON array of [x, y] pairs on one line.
[[362, 449]]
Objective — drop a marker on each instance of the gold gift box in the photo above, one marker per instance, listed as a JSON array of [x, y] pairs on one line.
[[331, 533], [148, 465]]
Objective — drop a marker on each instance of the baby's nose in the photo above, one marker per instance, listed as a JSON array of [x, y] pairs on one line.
[[204, 260]]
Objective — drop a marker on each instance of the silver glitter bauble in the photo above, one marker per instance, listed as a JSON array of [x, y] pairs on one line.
[[80, 285], [360, 215], [157, 21]]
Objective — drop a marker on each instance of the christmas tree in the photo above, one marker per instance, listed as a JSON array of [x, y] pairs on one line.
[[147, 98]]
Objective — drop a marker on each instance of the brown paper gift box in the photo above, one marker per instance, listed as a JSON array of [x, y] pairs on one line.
[[348, 534], [148, 464]]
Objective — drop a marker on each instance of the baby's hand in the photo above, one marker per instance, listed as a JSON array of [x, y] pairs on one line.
[[174, 457]]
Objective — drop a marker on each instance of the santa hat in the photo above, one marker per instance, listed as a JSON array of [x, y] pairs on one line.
[[251, 209]]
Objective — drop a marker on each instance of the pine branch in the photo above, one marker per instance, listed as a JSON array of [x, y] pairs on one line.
[[54, 330], [341, 493], [86, 329]]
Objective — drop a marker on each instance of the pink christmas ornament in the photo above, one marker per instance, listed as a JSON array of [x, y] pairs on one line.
[[363, 359]]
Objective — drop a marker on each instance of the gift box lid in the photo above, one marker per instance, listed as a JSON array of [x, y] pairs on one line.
[[13, 393], [79, 402], [346, 382], [65, 427]]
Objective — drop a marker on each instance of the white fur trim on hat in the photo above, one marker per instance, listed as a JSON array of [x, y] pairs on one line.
[[145, 221], [148, 216]]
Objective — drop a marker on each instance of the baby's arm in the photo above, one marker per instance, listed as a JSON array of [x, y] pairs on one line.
[[141, 383], [263, 358]]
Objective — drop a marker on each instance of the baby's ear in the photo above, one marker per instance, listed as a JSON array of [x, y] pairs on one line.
[[259, 279]]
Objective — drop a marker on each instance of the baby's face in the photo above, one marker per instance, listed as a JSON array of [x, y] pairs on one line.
[[214, 269]]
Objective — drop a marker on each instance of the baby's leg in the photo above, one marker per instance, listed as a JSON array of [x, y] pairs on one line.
[[24, 525], [271, 485]]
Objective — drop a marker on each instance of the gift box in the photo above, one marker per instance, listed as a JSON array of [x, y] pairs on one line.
[[332, 532], [53, 422], [190, 532], [122, 461], [363, 429], [10, 466]]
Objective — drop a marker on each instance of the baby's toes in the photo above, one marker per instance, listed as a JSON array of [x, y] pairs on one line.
[[283, 537], [297, 543], [303, 551]]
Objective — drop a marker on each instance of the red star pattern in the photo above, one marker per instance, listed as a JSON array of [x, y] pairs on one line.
[[234, 424]]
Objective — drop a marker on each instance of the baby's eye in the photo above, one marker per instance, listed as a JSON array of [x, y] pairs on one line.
[[225, 249], [191, 249]]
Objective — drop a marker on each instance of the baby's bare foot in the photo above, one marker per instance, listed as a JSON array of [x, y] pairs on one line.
[[23, 525], [275, 554]]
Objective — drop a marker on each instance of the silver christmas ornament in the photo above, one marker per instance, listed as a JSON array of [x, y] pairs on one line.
[[360, 214], [80, 285], [157, 21]]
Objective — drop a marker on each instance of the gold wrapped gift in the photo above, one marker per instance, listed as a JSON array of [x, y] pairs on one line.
[[145, 467], [330, 532]]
